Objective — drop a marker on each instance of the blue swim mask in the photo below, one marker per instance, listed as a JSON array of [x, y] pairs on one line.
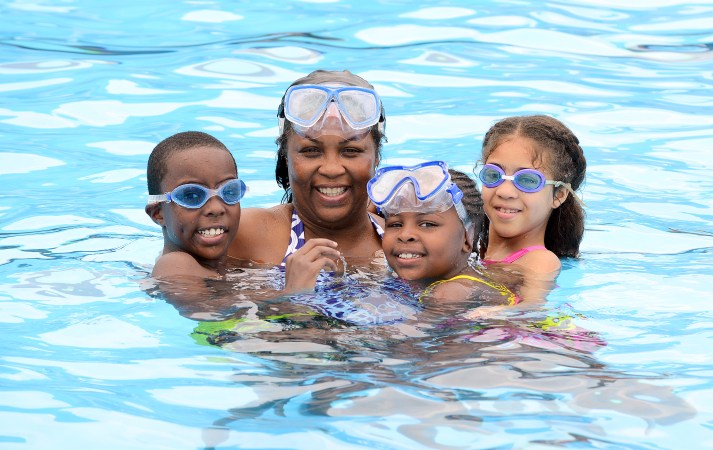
[[424, 188], [316, 110], [194, 196]]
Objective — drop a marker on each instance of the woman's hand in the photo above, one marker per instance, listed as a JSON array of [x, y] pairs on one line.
[[302, 267]]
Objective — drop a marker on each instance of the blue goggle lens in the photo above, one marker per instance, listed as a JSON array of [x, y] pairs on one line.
[[194, 196], [526, 180]]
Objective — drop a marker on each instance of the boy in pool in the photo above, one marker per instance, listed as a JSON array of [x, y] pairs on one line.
[[184, 174], [433, 216], [194, 195]]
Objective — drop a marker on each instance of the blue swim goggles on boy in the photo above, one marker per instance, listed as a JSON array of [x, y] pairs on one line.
[[194, 196], [424, 188], [315, 110]]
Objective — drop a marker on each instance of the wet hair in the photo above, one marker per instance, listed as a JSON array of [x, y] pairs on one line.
[[558, 149], [157, 166], [282, 175], [472, 200]]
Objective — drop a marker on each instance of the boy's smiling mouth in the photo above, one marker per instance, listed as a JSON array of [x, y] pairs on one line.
[[211, 232]]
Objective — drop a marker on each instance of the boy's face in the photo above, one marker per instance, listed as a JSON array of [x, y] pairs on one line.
[[426, 246], [205, 232]]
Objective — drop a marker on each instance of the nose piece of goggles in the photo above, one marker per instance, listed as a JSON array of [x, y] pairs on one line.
[[425, 187], [194, 196], [315, 110], [525, 180]]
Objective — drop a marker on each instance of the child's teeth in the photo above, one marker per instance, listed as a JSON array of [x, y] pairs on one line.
[[212, 232], [408, 256]]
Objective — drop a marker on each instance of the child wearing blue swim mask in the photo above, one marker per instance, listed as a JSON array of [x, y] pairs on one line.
[[194, 195], [433, 215]]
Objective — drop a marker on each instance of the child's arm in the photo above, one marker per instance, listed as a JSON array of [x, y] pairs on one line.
[[303, 266], [176, 264]]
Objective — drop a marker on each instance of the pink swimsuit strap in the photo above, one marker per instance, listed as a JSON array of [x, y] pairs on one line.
[[514, 256]]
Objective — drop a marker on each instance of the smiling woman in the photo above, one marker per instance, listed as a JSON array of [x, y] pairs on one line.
[[331, 132]]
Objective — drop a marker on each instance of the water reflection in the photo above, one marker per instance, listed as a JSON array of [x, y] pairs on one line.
[[440, 364], [487, 381]]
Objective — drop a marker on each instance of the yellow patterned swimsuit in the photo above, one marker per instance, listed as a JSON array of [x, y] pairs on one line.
[[512, 298]]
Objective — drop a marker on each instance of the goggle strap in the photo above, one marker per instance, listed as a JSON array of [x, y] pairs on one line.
[[464, 218], [568, 186], [574, 194], [157, 198]]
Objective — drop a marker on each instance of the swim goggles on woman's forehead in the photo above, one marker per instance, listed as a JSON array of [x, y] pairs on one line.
[[526, 180], [194, 196], [316, 109]]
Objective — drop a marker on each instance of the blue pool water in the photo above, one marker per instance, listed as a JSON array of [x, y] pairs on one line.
[[89, 360]]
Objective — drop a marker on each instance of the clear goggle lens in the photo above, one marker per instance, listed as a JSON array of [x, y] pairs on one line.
[[317, 109], [194, 196], [422, 187]]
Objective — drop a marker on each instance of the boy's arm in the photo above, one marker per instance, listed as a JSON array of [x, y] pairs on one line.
[[188, 286], [180, 264]]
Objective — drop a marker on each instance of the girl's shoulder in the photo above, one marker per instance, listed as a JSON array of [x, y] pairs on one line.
[[540, 261], [469, 286]]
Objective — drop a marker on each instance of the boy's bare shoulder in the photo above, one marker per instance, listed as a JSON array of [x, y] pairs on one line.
[[180, 263]]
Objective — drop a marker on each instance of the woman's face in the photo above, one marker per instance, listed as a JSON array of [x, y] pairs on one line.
[[328, 176]]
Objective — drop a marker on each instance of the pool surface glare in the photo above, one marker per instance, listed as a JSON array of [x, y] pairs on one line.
[[618, 358]]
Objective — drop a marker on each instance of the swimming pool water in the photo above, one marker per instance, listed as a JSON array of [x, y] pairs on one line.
[[89, 360]]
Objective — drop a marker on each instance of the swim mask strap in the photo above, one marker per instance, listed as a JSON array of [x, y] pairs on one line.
[[465, 219]]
